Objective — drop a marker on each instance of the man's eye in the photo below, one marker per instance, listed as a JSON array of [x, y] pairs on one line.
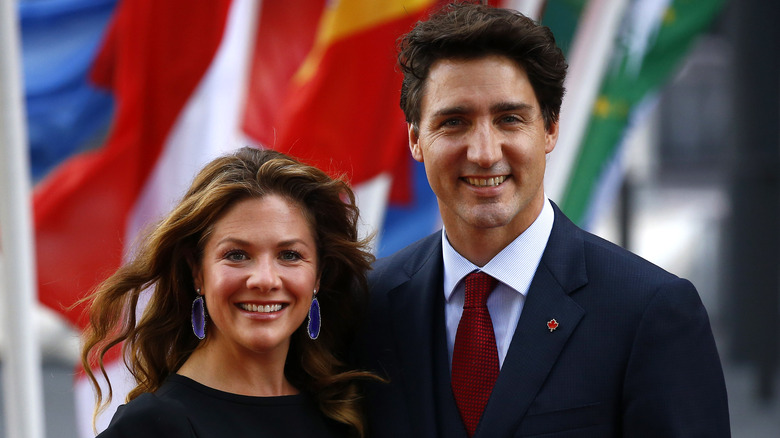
[[510, 119], [452, 122]]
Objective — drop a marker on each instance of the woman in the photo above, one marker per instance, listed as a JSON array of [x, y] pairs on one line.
[[229, 343]]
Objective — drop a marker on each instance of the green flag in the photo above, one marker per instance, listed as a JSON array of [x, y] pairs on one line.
[[647, 53]]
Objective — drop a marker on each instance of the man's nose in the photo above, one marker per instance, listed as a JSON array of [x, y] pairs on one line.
[[484, 148]]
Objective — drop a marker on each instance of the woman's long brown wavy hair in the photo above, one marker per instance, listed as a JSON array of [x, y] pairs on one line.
[[157, 344]]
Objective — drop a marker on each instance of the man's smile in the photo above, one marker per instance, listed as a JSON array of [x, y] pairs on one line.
[[486, 182]]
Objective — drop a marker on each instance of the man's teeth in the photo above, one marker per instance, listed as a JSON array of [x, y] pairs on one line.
[[262, 309], [486, 182]]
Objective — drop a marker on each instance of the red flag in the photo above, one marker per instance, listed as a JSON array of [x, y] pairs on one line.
[[81, 209]]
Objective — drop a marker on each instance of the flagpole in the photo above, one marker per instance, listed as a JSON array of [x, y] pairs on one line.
[[22, 387], [591, 51]]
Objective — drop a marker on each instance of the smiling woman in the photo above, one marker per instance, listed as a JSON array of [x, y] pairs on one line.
[[230, 338], [258, 283]]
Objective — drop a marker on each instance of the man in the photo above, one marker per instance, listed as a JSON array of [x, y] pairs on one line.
[[587, 339]]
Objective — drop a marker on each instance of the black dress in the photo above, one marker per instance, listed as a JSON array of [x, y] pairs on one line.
[[183, 407]]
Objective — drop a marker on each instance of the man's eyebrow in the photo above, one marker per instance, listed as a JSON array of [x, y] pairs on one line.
[[511, 106], [450, 111], [495, 108]]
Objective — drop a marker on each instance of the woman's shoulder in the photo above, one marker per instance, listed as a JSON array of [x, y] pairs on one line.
[[149, 416]]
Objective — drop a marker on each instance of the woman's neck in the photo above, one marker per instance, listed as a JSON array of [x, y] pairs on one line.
[[260, 375]]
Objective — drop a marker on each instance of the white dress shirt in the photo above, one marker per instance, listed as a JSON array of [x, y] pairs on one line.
[[514, 268]]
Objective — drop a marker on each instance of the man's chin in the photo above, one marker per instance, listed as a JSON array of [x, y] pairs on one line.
[[488, 217]]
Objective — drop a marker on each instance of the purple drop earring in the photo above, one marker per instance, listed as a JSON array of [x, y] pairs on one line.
[[315, 322], [199, 316]]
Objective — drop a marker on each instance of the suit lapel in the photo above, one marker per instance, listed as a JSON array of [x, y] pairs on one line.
[[413, 303], [534, 348]]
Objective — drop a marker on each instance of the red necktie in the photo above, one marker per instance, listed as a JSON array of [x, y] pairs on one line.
[[475, 356]]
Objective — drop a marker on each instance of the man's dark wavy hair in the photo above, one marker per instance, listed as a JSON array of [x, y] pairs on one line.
[[465, 30]]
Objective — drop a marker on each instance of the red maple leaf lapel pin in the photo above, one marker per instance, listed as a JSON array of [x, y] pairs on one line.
[[552, 325]]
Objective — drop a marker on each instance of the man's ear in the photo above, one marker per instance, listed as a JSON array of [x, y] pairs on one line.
[[414, 142], [551, 137]]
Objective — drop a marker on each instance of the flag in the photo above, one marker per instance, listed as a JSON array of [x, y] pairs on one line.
[[335, 104], [655, 36], [65, 113]]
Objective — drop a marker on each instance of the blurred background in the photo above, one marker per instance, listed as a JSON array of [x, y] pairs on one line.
[[678, 159]]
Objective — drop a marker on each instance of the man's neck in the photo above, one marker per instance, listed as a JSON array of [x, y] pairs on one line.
[[480, 245]]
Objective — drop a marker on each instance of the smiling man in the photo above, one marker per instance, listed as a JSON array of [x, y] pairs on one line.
[[512, 321], [482, 138]]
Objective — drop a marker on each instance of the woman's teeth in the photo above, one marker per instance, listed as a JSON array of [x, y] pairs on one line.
[[261, 308]]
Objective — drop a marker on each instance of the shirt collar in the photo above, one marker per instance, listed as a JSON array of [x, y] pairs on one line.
[[514, 266]]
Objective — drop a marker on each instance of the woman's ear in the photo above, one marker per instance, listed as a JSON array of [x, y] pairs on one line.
[[197, 278]]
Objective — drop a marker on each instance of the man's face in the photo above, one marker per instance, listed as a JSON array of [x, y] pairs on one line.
[[483, 142]]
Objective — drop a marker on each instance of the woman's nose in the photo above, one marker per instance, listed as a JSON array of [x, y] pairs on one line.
[[264, 274]]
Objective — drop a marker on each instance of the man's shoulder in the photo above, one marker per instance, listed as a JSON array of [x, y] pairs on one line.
[[405, 262], [599, 251], [619, 260], [576, 256]]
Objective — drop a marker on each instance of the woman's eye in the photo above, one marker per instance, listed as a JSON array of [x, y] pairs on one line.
[[290, 255], [235, 256]]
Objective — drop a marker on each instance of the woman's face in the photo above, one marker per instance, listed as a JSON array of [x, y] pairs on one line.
[[258, 273]]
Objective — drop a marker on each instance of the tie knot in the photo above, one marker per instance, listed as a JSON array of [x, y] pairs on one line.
[[478, 287]]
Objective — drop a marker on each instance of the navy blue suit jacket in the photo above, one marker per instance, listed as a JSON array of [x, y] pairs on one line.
[[633, 356]]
